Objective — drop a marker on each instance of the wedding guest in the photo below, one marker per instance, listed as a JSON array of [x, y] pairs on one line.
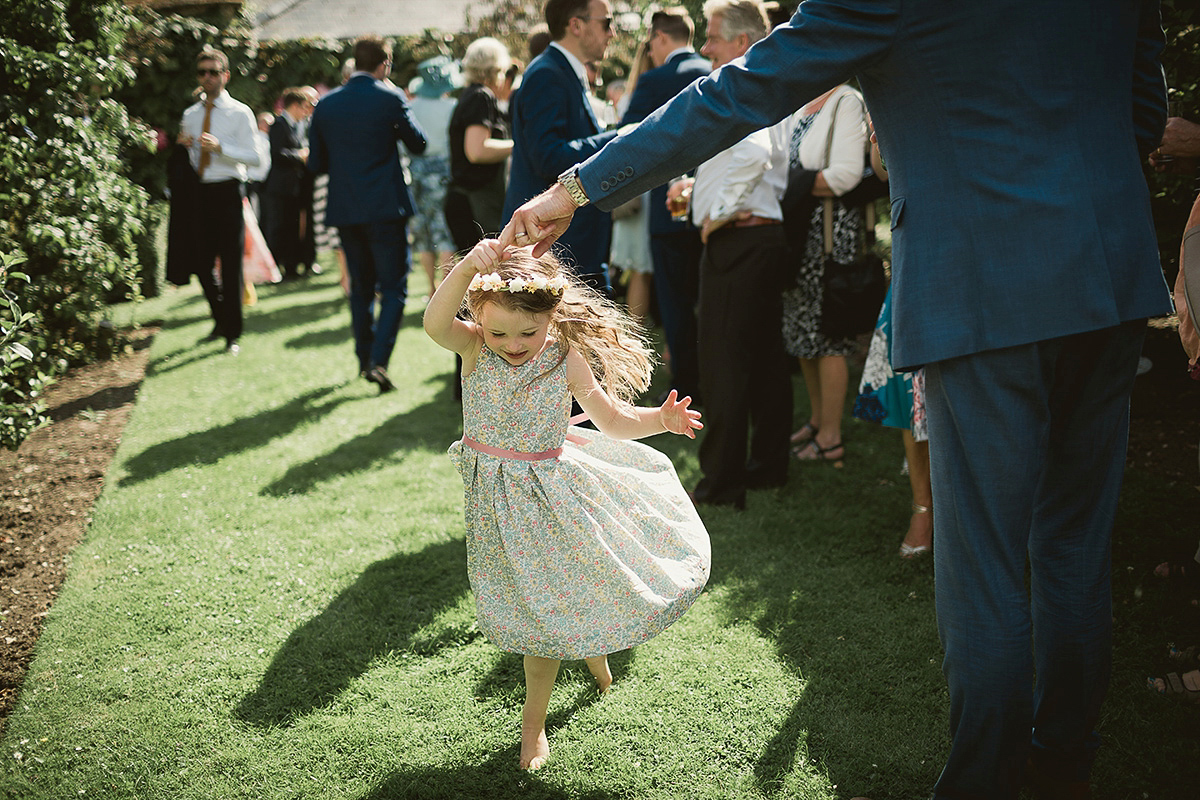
[[1027, 396], [219, 133], [432, 107], [353, 137]]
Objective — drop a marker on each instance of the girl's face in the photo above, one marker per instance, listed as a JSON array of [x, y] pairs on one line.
[[513, 335]]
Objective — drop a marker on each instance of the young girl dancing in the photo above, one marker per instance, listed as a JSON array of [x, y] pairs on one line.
[[578, 545]]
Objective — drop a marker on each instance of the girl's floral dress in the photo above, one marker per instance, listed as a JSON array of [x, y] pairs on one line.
[[572, 554]]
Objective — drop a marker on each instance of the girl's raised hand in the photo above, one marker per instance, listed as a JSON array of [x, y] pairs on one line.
[[485, 256], [677, 417]]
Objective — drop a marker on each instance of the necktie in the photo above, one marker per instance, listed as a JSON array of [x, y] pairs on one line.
[[205, 156]]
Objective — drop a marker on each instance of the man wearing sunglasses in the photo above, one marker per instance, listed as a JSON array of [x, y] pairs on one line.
[[554, 126], [219, 133]]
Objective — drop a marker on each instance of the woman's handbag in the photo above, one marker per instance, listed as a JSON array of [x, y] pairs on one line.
[[852, 292]]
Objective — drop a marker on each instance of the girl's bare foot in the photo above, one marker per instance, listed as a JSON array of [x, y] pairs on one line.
[[598, 666], [535, 749]]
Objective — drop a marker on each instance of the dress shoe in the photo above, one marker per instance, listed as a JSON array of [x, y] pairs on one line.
[[212, 336], [378, 375]]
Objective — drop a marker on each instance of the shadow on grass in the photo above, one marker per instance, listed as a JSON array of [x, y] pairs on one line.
[[426, 427], [830, 608], [295, 316], [328, 337], [382, 612], [184, 357], [210, 446], [496, 778]]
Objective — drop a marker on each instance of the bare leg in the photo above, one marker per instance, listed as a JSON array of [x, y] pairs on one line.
[[920, 526], [637, 295], [427, 264], [343, 273], [825, 379], [812, 385], [539, 681], [598, 666], [834, 378]]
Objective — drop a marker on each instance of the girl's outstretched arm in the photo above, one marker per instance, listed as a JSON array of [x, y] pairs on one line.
[[619, 421], [441, 323]]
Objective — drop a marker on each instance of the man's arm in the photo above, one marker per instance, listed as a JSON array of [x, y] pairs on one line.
[[408, 130], [1149, 83], [822, 46]]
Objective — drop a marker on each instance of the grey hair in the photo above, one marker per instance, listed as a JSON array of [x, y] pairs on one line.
[[739, 16], [485, 59]]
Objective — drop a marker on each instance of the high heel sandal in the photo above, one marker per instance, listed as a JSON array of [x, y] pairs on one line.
[[806, 434], [908, 551]]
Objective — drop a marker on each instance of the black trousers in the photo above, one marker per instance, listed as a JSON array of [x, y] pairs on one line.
[[223, 236], [744, 374]]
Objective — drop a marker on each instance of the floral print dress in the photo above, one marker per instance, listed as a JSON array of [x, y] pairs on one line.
[[570, 554]]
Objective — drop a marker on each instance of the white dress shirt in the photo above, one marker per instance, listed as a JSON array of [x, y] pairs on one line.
[[234, 126], [750, 176]]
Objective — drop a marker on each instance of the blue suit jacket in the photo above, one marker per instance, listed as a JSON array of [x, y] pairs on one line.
[[554, 127], [353, 138], [654, 88], [1012, 132]]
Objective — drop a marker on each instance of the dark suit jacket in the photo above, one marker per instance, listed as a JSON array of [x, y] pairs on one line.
[[1012, 132], [553, 127], [288, 171], [654, 88], [353, 137], [183, 226]]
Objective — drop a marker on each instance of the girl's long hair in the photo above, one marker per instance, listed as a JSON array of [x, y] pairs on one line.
[[614, 345]]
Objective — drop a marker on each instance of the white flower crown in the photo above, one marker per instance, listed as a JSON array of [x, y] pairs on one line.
[[494, 283]]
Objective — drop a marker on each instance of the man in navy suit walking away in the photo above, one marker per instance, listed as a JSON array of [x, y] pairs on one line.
[[1024, 267], [554, 126], [353, 138], [674, 243]]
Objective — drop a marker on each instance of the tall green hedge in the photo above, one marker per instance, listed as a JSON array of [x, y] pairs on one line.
[[66, 208]]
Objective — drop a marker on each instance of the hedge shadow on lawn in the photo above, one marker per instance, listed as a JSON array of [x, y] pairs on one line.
[[378, 614], [210, 446]]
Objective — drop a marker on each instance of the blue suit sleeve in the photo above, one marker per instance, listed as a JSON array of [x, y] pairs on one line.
[[1149, 83], [318, 153], [825, 43], [408, 130]]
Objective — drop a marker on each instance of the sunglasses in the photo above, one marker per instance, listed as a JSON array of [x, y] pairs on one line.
[[605, 22], [200, 73]]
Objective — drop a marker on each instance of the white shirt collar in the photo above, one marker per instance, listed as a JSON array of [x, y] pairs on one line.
[[576, 64], [677, 51]]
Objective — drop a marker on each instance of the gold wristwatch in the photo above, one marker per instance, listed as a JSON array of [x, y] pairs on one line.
[[570, 182]]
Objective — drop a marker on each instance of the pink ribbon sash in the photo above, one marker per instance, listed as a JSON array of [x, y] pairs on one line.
[[500, 452]]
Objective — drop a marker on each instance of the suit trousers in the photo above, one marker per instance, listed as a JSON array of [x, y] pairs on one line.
[[1027, 447], [745, 378], [676, 258], [223, 236], [283, 230], [377, 262]]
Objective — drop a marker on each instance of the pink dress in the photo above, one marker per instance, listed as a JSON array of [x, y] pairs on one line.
[[574, 548]]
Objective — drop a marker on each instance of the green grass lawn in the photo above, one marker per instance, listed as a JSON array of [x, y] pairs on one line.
[[272, 602]]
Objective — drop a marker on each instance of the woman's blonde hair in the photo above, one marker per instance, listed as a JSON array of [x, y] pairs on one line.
[[613, 344]]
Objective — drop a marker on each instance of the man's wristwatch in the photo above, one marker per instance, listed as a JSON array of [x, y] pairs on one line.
[[570, 182]]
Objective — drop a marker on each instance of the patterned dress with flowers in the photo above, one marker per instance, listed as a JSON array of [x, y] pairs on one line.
[[573, 554]]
